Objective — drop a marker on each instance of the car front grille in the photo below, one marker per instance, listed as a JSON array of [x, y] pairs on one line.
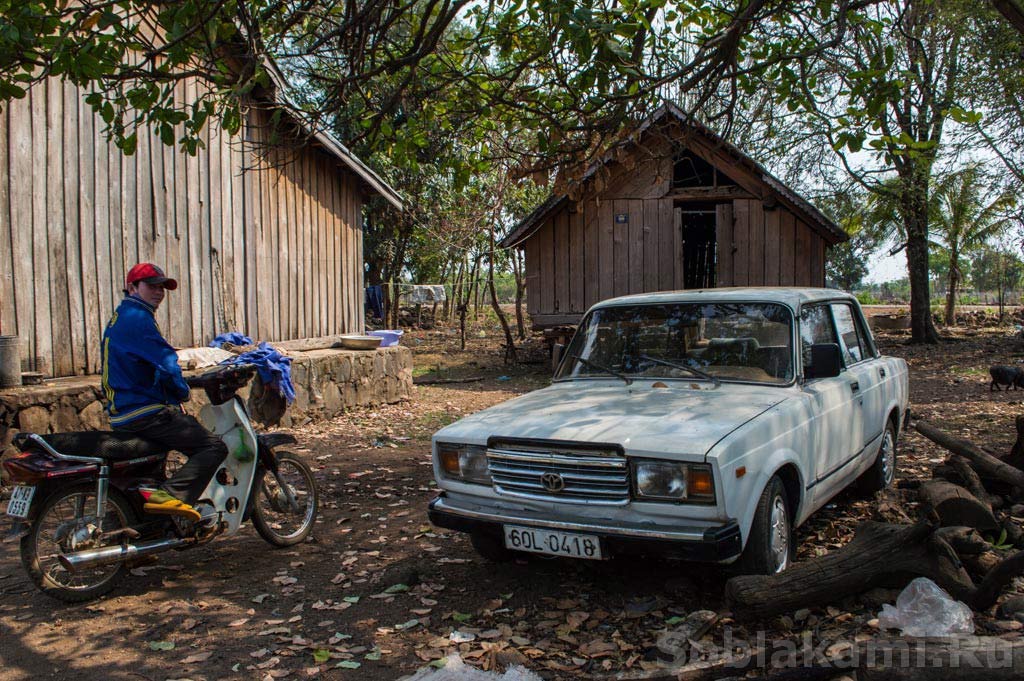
[[569, 477]]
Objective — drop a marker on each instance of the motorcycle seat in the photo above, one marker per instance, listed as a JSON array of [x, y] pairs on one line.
[[109, 445]]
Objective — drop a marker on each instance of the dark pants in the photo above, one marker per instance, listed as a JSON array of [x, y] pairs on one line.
[[174, 430]]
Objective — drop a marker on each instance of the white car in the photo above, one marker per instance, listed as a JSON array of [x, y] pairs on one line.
[[704, 425]]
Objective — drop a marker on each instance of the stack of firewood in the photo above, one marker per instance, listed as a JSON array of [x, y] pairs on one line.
[[965, 524], [967, 539]]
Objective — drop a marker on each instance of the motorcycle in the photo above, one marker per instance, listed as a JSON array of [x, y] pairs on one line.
[[79, 516]]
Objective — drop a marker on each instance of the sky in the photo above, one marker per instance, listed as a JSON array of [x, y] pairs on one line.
[[885, 267]]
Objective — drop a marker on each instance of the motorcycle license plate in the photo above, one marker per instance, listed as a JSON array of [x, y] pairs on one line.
[[552, 543], [21, 501]]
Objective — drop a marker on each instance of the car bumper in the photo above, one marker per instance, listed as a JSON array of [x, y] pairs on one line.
[[713, 544]]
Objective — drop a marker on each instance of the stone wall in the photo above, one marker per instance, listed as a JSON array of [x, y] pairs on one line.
[[327, 382]]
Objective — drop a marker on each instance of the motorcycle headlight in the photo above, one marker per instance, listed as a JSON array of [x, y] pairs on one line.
[[465, 463], [672, 481]]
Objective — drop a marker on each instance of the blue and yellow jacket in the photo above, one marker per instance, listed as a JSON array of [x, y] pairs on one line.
[[140, 368]]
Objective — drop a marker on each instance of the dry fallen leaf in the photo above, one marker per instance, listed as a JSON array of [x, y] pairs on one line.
[[197, 657]]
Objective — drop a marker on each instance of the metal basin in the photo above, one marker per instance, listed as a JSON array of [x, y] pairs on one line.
[[358, 342]]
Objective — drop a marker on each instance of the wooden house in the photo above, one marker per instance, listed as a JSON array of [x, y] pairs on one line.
[[263, 238], [673, 207]]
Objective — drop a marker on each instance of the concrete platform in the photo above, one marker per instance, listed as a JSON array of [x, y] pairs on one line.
[[327, 382]]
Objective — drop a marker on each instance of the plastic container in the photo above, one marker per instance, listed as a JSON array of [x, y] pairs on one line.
[[389, 337], [10, 362]]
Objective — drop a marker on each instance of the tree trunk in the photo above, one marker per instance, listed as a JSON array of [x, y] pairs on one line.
[[520, 275], [954, 280], [915, 221], [472, 284], [457, 290], [510, 343]]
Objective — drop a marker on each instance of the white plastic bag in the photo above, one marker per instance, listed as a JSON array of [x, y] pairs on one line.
[[925, 609], [456, 670]]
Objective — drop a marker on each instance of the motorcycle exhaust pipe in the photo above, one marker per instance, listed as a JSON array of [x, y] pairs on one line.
[[84, 560]]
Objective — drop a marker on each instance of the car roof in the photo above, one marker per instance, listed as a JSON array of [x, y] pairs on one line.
[[794, 297]]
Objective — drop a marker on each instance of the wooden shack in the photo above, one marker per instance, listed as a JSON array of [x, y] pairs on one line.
[[263, 238], [673, 207]]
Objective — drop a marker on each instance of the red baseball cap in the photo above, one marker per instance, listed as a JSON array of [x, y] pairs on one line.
[[151, 274]]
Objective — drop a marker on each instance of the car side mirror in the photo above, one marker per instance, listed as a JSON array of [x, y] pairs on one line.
[[556, 356], [826, 361]]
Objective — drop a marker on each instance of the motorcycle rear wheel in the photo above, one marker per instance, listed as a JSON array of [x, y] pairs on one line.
[[272, 517], [52, 533]]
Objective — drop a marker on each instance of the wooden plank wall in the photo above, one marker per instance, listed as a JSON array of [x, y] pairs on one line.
[[269, 244], [603, 248]]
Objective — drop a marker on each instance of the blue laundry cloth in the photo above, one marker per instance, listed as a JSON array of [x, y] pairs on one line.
[[374, 301], [233, 337], [275, 369]]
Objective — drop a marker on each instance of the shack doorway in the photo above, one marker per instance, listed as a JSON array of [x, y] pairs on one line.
[[698, 225]]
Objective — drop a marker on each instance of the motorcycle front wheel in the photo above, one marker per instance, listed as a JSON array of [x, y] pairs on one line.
[[67, 523], [286, 504]]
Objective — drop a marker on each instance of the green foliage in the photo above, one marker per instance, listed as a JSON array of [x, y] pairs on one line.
[[867, 298], [847, 263], [129, 56], [996, 269]]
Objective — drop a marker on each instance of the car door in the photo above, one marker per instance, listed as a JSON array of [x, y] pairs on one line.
[[834, 429], [866, 370]]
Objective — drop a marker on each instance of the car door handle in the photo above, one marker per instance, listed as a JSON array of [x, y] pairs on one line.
[[855, 386], [881, 372]]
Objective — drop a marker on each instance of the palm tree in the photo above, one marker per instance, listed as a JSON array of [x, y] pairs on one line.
[[961, 222]]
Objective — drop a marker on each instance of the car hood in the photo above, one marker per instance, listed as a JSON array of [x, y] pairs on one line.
[[684, 419]]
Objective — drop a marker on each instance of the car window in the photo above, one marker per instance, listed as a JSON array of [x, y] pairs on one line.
[[853, 350], [748, 342], [815, 328], [867, 343]]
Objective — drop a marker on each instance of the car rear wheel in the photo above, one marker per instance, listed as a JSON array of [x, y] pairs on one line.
[[770, 547], [883, 470]]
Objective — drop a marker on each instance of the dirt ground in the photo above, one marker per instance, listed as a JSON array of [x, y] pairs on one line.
[[377, 592]]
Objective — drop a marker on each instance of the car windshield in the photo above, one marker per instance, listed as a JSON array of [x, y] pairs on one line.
[[750, 342]]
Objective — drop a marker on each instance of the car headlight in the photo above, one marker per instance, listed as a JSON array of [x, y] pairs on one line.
[[673, 481], [465, 463]]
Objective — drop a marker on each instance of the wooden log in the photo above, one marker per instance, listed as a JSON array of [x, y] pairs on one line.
[[997, 579], [971, 480], [955, 506], [1014, 533], [964, 540], [1016, 456], [948, 473], [963, 657], [446, 381], [982, 563], [880, 554], [984, 463]]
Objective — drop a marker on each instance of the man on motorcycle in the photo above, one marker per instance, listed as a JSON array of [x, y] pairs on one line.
[[144, 388]]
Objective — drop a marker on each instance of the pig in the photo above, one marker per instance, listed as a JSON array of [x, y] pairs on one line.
[[1005, 375]]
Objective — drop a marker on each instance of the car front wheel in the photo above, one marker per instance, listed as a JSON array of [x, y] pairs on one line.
[[770, 547]]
